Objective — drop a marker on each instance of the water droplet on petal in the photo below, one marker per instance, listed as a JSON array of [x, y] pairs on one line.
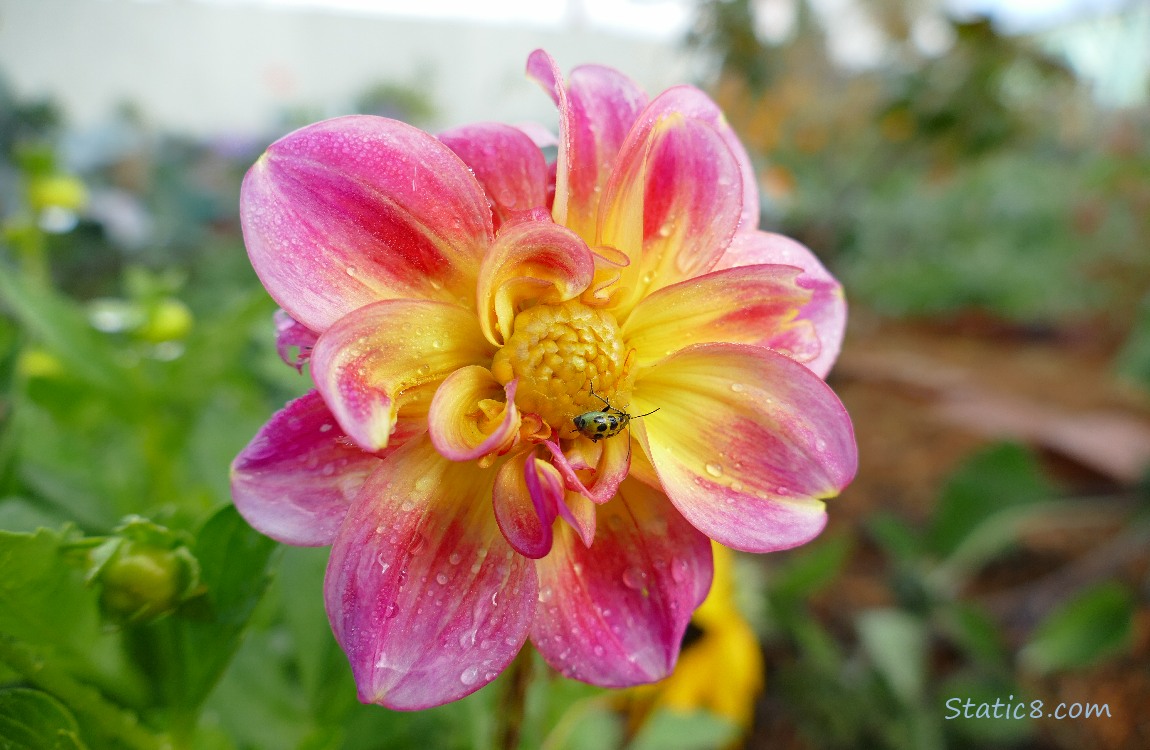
[[441, 579], [633, 578], [714, 469], [545, 594], [679, 570], [738, 387], [454, 558], [469, 676], [350, 271], [407, 506]]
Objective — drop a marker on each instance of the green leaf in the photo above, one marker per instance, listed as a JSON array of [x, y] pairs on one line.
[[811, 568], [699, 730], [43, 600], [1096, 624], [896, 643], [975, 632], [1002, 476], [34, 720], [892, 534]]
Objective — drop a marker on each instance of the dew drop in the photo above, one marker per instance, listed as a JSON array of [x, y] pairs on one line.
[[325, 428], [738, 387], [441, 579], [737, 486], [545, 594], [407, 506], [633, 578], [391, 611], [679, 570], [469, 676], [714, 470], [598, 650], [350, 270], [455, 558], [820, 445]]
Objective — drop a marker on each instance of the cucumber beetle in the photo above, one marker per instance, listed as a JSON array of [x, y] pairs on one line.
[[609, 422]]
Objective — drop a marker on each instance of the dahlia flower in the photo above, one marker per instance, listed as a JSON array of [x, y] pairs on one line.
[[461, 303]]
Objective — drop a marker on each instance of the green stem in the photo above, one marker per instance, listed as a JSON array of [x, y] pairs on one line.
[[109, 719], [513, 702]]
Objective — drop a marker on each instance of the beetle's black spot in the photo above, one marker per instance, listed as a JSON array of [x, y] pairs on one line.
[[602, 427]]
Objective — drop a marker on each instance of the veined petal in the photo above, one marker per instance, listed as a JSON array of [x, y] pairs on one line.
[[597, 108], [749, 305], [672, 204], [295, 480], [472, 415], [693, 103], [745, 442], [508, 165], [827, 308], [593, 469], [291, 333], [526, 498], [357, 209], [423, 592], [533, 261], [389, 356], [614, 615]]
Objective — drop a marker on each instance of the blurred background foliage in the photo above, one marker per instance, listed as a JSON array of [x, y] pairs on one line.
[[991, 223]]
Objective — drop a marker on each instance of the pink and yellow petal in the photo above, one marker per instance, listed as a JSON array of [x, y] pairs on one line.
[[357, 209], [827, 308], [507, 163], [672, 204], [693, 103], [597, 107], [614, 614], [391, 356], [746, 443], [592, 469], [423, 592], [749, 305], [526, 498], [295, 480], [472, 415], [534, 261]]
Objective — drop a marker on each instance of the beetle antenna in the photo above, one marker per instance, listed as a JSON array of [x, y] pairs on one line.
[[637, 416], [596, 395]]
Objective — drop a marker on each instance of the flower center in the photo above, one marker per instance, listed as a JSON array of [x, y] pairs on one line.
[[559, 352]]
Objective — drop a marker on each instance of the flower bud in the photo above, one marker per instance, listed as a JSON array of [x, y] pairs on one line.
[[144, 572]]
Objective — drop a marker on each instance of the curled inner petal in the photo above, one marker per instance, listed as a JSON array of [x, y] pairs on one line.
[[469, 420], [526, 497], [392, 355], [534, 261]]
